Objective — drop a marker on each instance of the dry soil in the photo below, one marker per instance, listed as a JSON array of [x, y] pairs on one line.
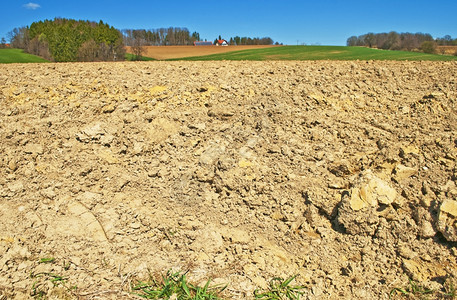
[[341, 172], [448, 50], [167, 52]]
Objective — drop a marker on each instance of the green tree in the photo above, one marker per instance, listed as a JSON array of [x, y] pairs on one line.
[[71, 40], [195, 36]]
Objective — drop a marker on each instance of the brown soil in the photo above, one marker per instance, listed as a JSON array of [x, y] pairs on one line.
[[448, 50], [341, 172], [166, 52]]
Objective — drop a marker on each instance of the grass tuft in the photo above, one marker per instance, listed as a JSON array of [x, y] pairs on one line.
[[280, 289], [176, 286], [41, 288], [450, 290], [412, 291]]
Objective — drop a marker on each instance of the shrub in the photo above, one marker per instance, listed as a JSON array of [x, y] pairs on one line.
[[428, 47]]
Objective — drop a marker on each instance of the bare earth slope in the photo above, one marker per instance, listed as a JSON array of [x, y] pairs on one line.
[[167, 52], [341, 172]]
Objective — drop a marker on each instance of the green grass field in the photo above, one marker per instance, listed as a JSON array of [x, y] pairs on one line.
[[321, 53], [18, 56], [274, 53]]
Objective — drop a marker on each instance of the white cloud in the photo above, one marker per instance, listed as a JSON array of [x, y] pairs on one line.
[[31, 5]]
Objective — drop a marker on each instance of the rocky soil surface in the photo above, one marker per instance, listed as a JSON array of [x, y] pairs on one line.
[[341, 172]]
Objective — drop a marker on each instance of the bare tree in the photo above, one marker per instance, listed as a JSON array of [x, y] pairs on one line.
[[89, 51], [40, 47], [399, 41], [370, 39], [351, 41], [19, 37], [138, 44]]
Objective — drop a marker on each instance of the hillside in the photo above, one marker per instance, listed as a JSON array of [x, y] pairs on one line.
[[320, 53], [18, 56], [171, 52]]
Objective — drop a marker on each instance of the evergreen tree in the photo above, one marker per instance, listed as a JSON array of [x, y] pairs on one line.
[[70, 40]]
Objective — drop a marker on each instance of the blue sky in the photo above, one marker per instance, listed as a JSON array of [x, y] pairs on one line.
[[325, 22]]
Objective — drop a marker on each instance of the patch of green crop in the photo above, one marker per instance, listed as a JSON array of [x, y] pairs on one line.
[[40, 286], [320, 53], [415, 290], [18, 56], [47, 260]]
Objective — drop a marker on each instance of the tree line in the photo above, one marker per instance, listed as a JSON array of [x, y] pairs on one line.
[[172, 36], [179, 36], [159, 37], [401, 41], [63, 39], [175, 36], [251, 41], [66, 40]]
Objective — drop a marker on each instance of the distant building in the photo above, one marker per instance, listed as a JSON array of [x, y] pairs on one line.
[[221, 43], [203, 43]]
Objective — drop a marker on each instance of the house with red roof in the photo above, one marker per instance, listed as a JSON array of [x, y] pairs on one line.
[[221, 43]]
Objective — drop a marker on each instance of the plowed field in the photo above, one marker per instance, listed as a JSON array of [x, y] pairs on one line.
[[166, 52], [343, 173]]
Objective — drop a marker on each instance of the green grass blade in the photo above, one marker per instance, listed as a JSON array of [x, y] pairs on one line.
[[205, 288], [185, 287], [46, 260], [286, 283]]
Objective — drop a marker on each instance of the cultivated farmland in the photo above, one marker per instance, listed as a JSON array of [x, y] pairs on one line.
[[169, 52], [268, 53], [343, 173], [449, 50]]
